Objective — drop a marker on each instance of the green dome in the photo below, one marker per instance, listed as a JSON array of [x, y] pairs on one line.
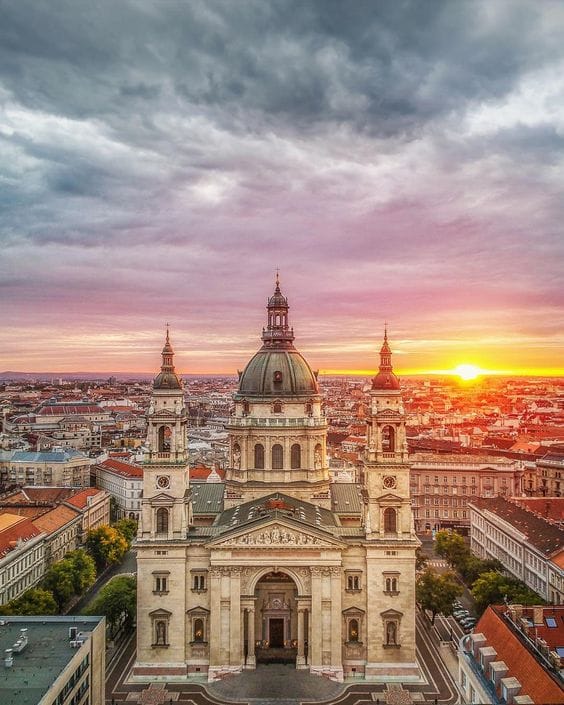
[[277, 373], [167, 380]]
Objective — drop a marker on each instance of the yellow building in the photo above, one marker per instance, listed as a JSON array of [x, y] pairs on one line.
[[278, 575]]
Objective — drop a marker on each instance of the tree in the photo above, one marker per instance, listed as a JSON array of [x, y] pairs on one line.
[[420, 559], [490, 588], [34, 601], [106, 545], [128, 528], [437, 593], [452, 547], [117, 601], [84, 570], [59, 579]]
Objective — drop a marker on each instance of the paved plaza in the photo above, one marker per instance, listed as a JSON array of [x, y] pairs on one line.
[[277, 684]]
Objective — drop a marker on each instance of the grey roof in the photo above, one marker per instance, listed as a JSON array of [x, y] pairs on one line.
[[277, 503], [47, 456], [47, 653], [259, 376], [207, 497], [346, 498]]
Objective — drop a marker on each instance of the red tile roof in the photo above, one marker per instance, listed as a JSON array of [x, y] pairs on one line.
[[200, 473], [120, 467], [23, 529], [542, 534], [70, 409], [535, 680], [551, 508], [55, 518], [80, 499]]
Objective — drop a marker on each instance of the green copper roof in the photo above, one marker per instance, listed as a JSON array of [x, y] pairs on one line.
[[277, 373]]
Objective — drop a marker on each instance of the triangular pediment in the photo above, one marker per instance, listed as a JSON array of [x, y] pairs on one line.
[[388, 413], [390, 498], [163, 413], [162, 498], [278, 534]]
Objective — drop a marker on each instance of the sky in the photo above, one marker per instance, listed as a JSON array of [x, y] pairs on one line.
[[398, 161]]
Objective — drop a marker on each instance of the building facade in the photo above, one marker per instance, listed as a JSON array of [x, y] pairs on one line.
[[528, 545], [277, 574], [514, 656], [53, 660], [442, 487], [124, 482]]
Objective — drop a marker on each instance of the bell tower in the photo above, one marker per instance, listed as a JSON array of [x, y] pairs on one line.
[[166, 507], [390, 537]]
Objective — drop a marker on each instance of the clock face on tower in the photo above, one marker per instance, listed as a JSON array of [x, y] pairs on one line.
[[389, 482], [163, 482]]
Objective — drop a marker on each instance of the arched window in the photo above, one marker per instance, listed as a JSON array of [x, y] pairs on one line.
[[246, 407], [259, 456], [162, 520], [353, 630], [277, 407], [388, 439], [308, 408], [390, 524], [296, 456], [164, 436], [277, 457], [198, 630]]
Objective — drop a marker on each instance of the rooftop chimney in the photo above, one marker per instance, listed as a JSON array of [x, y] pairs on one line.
[[8, 658]]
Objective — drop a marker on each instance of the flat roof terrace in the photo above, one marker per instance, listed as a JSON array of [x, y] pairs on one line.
[[41, 661]]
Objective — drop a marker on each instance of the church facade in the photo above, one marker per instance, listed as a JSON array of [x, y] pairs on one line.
[[286, 565]]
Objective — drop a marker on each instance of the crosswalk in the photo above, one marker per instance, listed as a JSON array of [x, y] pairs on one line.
[[438, 563]]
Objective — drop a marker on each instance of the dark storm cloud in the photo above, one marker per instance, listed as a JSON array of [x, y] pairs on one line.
[[154, 151]]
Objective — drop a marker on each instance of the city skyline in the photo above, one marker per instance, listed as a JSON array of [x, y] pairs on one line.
[[397, 162]]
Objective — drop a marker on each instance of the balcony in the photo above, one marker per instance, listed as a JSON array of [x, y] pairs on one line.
[[275, 422]]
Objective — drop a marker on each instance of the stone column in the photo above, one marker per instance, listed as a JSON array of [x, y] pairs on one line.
[[300, 658], [336, 626], [316, 626], [215, 616], [251, 657], [235, 617]]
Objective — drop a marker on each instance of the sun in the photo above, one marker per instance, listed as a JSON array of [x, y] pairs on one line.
[[467, 372]]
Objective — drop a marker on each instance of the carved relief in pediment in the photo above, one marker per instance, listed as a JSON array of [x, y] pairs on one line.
[[275, 536]]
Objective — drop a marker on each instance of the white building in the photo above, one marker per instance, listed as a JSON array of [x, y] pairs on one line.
[[526, 544], [124, 482]]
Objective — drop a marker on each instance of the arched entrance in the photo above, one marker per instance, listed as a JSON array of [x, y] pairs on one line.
[[276, 627]]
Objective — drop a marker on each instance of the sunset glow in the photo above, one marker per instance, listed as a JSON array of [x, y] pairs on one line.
[[416, 179]]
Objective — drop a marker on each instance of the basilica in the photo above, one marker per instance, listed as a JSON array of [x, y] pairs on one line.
[[277, 563]]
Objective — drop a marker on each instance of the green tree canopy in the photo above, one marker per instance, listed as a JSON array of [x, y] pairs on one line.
[[84, 570], [420, 559], [452, 547], [437, 593], [35, 601], [117, 601], [59, 579], [106, 545], [127, 527], [493, 587]]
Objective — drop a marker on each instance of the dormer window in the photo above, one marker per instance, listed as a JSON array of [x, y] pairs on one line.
[[277, 377]]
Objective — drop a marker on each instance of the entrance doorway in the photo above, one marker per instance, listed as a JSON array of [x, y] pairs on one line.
[[276, 632], [276, 626]]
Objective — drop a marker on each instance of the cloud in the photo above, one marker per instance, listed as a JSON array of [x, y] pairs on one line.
[[396, 160]]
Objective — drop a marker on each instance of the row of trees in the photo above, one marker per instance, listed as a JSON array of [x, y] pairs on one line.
[[487, 583], [71, 577]]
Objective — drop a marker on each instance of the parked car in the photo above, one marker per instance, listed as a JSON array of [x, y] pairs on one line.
[[468, 622], [460, 614]]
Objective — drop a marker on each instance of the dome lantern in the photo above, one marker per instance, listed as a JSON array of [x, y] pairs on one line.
[[167, 378]]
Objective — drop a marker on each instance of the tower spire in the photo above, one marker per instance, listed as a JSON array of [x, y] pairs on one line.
[[385, 379], [277, 333]]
